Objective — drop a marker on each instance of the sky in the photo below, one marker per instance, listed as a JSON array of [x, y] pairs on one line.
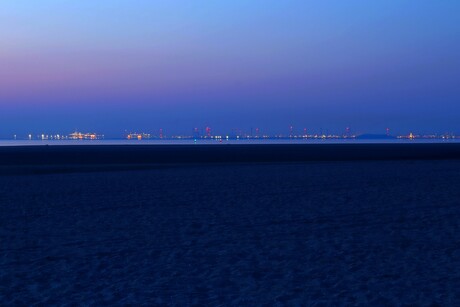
[[112, 66]]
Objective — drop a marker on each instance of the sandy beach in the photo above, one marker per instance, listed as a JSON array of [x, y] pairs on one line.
[[341, 232]]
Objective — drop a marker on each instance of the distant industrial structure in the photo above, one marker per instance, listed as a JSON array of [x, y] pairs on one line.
[[85, 136], [138, 136]]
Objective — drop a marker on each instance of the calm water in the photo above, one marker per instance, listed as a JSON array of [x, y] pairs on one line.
[[209, 142]]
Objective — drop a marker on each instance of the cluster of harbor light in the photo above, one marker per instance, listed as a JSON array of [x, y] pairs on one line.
[[71, 136], [412, 136]]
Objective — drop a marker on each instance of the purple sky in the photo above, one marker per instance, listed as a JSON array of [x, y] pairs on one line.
[[111, 66]]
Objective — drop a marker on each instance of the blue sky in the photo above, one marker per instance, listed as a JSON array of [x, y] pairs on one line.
[[145, 65]]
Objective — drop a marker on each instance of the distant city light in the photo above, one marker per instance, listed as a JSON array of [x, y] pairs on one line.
[[237, 134]]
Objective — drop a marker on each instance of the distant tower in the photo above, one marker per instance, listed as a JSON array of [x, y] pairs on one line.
[[347, 132], [291, 131], [208, 131], [196, 133], [257, 132], [305, 132], [161, 133], [388, 131]]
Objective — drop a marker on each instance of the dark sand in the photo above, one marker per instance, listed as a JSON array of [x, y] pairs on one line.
[[113, 155], [353, 232]]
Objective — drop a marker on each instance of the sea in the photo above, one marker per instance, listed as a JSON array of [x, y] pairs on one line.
[[219, 141]]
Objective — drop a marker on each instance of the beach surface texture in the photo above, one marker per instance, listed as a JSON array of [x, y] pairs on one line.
[[376, 232]]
